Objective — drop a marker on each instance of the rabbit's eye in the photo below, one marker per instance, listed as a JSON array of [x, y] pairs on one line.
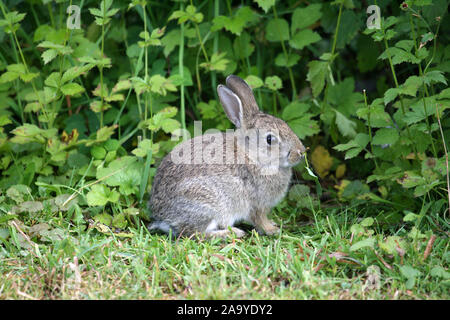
[[271, 139]]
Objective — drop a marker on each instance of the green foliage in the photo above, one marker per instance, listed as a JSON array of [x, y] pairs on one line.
[[87, 115]]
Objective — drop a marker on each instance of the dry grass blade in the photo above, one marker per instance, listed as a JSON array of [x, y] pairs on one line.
[[429, 247]]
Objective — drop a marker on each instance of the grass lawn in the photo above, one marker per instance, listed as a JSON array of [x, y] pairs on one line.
[[334, 253]]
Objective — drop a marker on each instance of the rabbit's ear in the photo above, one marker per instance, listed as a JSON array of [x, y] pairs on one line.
[[231, 104], [245, 93]]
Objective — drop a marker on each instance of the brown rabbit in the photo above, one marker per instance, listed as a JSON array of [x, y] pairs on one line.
[[227, 177]]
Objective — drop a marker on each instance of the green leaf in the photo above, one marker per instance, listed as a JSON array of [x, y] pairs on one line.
[[216, 63], [100, 195], [435, 76], [49, 55], [304, 17], [254, 82], [294, 110], [304, 38], [291, 60], [385, 136], [277, 30], [367, 222], [236, 24], [304, 126], [411, 85], [98, 153], [390, 95], [273, 83], [409, 272], [439, 272], [345, 125], [265, 4], [369, 242], [72, 89], [316, 75]]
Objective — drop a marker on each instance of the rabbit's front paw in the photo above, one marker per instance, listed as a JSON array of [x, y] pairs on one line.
[[272, 229]]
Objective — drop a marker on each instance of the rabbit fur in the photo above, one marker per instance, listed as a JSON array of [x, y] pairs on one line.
[[209, 197]]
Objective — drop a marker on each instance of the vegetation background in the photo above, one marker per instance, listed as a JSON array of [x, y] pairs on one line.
[[87, 113]]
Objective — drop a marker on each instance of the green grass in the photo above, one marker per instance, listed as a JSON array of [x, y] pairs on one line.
[[79, 263]]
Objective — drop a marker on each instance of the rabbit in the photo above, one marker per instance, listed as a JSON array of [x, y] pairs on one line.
[[207, 197]]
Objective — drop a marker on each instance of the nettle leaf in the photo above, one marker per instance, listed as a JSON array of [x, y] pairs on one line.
[[291, 60], [265, 4], [100, 195], [216, 63], [190, 14], [170, 41], [242, 46], [49, 55], [304, 17], [419, 112], [11, 21], [304, 38], [390, 95], [75, 72], [378, 117], [411, 85], [398, 55], [159, 84], [385, 136], [355, 146], [294, 110], [346, 126], [236, 24], [316, 75], [72, 89], [277, 30], [435, 76], [304, 126]]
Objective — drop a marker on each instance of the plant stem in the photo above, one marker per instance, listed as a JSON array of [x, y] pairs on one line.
[[144, 133], [101, 68], [370, 128], [413, 33], [181, 70], [394, 76], [286, 56], [26, 68]]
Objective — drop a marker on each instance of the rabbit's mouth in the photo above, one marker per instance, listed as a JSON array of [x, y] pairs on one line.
[[292, 158]]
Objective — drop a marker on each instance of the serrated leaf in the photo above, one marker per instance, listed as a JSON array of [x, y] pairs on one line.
[[49, 55], [265, 4], [291, 60], [294, 110], [317, 72], [304, 17], [390, 95], [385, 136], [71, 89], [100, 195], [345, 125], [304, 38], [277, 30]]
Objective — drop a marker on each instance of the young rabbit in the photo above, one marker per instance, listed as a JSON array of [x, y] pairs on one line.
[[227, 177]]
